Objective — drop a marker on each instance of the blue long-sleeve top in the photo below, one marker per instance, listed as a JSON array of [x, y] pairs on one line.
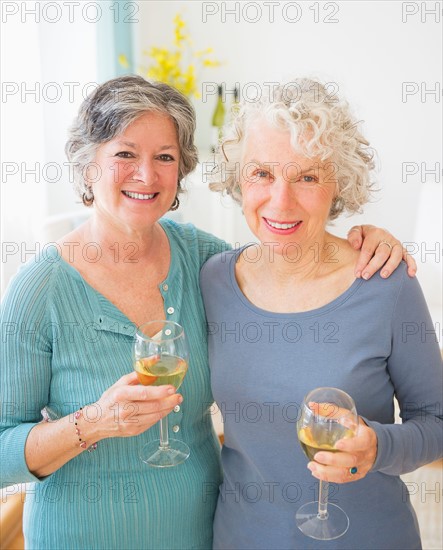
[[63, 345], [376, 341]]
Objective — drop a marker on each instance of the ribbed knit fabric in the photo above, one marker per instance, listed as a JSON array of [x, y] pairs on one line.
[[63, 345]]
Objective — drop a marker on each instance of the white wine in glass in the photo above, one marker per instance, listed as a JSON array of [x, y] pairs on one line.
[[327, 415], [160, 354], [160, 370]]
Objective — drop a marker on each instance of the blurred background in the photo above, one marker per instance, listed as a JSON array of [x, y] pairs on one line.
[[384, 57]]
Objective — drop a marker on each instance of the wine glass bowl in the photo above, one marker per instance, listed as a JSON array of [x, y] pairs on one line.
[[160, 356], [158, 370], [327, 415]]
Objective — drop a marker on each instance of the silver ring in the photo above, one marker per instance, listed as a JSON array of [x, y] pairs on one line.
[[385, 242]]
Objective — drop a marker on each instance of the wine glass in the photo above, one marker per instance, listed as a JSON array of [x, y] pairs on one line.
[[327, 415], [160, 354]]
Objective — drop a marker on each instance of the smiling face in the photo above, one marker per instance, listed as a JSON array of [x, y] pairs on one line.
[[137, 173], [286, 197]]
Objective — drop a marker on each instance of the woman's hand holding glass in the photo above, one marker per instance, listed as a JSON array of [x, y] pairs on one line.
[[358, 452], [127, 409], [160, 354], [328, 415]]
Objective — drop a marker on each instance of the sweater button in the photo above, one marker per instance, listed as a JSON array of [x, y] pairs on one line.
[[175, 428], [170, 310]]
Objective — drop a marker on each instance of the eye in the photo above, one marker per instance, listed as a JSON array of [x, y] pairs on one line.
[[309, 179], [261, 174], [166, 158], [125, 155]]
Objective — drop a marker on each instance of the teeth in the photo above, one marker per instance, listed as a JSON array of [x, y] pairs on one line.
[[140, 196], [282, 225]]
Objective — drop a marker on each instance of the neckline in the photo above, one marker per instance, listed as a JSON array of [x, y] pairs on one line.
[[326, 308], [99, 298]]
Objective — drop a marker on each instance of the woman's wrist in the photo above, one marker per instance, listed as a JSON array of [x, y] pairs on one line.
[[85, 439], [90, 421]]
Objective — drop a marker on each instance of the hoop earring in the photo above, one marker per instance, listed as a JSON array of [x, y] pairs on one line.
[[88, 197], [175, 204]]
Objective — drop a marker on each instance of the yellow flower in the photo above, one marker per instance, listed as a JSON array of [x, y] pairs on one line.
[[123, 60], [177, 67]]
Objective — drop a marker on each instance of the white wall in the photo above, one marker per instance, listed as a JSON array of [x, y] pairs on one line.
[[370, 52], [48, 59]]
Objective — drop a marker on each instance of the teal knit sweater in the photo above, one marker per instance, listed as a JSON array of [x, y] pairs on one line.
[[63, 345]]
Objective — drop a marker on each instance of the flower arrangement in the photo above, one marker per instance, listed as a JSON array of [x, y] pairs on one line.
[[178, 66]]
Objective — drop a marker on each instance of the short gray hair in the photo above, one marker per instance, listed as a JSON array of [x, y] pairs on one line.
[[113, 106], [305, 108]]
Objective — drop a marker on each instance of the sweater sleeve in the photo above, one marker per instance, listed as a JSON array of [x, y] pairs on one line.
[[416, 372], [25, 375]]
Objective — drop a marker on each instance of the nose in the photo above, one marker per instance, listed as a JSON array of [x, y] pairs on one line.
[[283, 196], [145, 172]]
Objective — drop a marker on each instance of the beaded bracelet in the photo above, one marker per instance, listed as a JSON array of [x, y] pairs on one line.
[[82, 444]]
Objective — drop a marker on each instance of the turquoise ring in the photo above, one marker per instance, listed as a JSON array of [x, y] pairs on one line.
[[353, 470]]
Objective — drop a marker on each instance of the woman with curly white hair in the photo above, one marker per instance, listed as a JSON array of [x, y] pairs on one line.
[[288, 315]]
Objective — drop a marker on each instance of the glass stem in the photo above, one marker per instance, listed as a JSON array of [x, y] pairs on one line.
[[323, 500], [164, 437]]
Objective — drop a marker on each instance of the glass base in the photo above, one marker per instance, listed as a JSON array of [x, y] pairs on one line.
[[312, 525], [165, 457]]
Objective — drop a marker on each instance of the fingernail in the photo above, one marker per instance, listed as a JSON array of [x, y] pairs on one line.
[[365, 275], [385, 273], [180, 398], [312, 467], [171, 390]]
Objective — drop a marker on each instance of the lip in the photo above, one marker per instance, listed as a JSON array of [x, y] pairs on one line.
[[277, 231]]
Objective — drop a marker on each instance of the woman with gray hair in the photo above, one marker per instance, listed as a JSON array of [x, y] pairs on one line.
[[287, 315], [73, 312]]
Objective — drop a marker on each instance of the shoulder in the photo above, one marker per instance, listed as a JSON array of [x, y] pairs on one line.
[[39, 269], [398, 293], [193, 241], [188, 232], [33, 283], [217, 267], [409, 297], [394, 283]]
